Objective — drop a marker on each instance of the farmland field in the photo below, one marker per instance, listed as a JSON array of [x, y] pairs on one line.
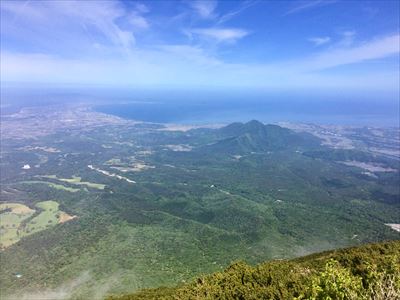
[[52, 185], [76, 180], [18, 220]]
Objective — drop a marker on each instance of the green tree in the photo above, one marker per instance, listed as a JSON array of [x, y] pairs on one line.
[[336, 283]]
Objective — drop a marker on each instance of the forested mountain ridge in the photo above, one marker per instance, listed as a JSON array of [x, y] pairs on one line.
[[365, 272], [254, 136]]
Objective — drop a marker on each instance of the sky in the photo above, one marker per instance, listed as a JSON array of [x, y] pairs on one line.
[[324, 45]]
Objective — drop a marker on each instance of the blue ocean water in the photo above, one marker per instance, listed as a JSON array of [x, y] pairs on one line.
[[267, 111], [217, 106]]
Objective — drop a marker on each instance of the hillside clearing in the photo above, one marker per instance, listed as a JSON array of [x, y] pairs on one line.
[[52, 185], [18, 220], [76, 180]]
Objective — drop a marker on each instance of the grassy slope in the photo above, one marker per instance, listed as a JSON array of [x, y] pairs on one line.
[[76, 180], [23, 221], [10, 222], [283, 279], [51, 184]]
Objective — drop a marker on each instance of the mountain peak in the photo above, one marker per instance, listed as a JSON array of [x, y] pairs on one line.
[[254, 136], [254, 123], [237, 128]]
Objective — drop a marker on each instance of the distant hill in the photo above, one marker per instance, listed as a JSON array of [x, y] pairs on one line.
[[254, 136], [367, 272]]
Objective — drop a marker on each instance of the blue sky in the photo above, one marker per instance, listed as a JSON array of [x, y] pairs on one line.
[[273, 45]]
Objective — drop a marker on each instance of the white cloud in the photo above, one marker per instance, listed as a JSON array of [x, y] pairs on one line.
[[50, 69], [101, 14], [142, 8], [96, 21], [138, 21], [347, 38], [204, 8], [375, 49], [242, 7], [96, 28], [191, 54], [136, 17], [220, 34], [318, 41], [304, 5], [185, 65]]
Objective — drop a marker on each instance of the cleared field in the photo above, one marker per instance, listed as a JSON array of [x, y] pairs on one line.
[[16, 208], [18, 220], [48, 217], [78, 181], [53, 185], [10, 222], [64, 217]]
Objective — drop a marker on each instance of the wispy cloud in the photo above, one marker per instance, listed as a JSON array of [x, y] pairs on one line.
[[347, 38], [47, 17], [141, 8], [191, 54], [369, 50], [207, 9], [138, 21], [104, 42], [318, 41], [242, 7], [204, 8], [305, 5], [216, 33], [229, 35], [192, 66]]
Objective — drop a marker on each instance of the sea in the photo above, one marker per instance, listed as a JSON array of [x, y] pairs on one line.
[[199, 107]]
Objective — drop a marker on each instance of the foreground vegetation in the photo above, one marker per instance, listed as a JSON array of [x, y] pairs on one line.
[[366, 272]]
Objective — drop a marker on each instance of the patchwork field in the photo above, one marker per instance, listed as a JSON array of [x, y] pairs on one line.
[[52, 185], [11, 218], [78, 181], [18, 220]]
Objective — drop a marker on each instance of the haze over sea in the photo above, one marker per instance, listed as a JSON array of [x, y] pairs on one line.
[[199, 106], [273, 110]]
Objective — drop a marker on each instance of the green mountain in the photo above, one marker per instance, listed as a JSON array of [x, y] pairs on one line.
[[366, 272], [254, 136]]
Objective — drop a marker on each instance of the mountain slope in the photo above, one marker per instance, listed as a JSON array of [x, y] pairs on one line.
[[254, 136], [367, 272]]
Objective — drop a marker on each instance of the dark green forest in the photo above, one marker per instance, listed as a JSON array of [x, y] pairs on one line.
[[366, 272]]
